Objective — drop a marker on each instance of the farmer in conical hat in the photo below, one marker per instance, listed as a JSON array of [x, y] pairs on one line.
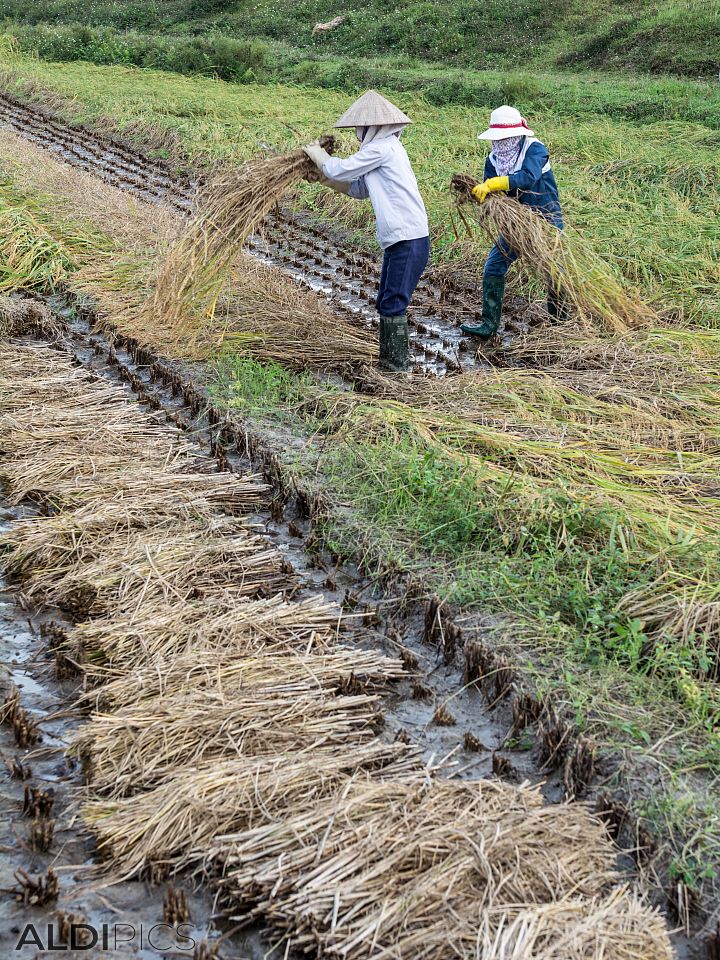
[[381, 171], [518, 164]]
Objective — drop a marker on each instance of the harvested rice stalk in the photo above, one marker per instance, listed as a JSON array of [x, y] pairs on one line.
[[21, 317], [139, 746], [170, 562], [281, 674], [683, 611], [172, 825], [243, 627], [410, 869], [565, 405], [273, 318], [616, 927], [230, 208], [144, 501], [562, 259]]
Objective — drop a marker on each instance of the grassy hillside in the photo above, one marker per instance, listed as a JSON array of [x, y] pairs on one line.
[[639, 36]]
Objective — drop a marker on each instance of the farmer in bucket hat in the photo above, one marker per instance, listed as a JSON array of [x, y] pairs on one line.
[[381, 171], [518, 164]]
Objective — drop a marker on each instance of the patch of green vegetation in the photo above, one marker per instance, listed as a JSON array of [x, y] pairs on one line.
[[619, 95], [258, 390], [550, 557], [241, 61], [668, 37]]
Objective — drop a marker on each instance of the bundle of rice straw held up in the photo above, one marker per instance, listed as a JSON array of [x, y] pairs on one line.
[[586, 284], [228, 210]]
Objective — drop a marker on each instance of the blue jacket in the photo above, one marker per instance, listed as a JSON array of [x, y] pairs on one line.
[[531, 186]]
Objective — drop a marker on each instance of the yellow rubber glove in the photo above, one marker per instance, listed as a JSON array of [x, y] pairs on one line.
[[492, 185]]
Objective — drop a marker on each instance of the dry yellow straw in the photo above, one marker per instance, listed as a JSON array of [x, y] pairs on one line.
[[563, 260], [232, 206]]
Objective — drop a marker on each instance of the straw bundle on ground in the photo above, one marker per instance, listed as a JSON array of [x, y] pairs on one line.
[[46, 472], [410, 870], [143, 500], [143, 494], [616, 927], [587, 284], [122, 641], [283, 673], [20, 317], [170, 562], [139, 746], [229, 208], [274, 318], [262, 313], [175, 823]]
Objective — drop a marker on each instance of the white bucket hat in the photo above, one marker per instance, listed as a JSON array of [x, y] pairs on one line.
[[373, 110], [506, 122]]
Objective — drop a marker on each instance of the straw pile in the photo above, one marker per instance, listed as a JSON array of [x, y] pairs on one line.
[[224, 623], [273, 317], [279, 672], [426, 870], [576, 930], [142, 744], [20, 317], [173, 825], [173, 561], [231, 732], [230, 208], [560, 259]]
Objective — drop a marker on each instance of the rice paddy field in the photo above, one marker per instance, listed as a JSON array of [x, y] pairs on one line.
[[553, 504]]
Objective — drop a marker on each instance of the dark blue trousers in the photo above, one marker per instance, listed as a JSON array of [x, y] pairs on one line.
[[403, 265]]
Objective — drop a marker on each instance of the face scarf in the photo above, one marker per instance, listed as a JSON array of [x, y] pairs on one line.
[[367, 134], [505, 153]]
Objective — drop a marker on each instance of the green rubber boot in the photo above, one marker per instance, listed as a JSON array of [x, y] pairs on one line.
[[394, 343], [493, 292], [557, 307]]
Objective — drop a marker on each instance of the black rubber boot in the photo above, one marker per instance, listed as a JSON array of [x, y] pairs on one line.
[[394, 343], [493, 293], [557, 306]]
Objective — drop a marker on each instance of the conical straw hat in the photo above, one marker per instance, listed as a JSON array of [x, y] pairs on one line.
[[372, 110]]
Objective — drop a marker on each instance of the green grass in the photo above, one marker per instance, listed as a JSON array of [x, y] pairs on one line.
[[646, 195], [541, 85], [666, 37]]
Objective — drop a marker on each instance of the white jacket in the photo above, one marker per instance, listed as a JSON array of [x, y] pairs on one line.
[[381, 171]]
